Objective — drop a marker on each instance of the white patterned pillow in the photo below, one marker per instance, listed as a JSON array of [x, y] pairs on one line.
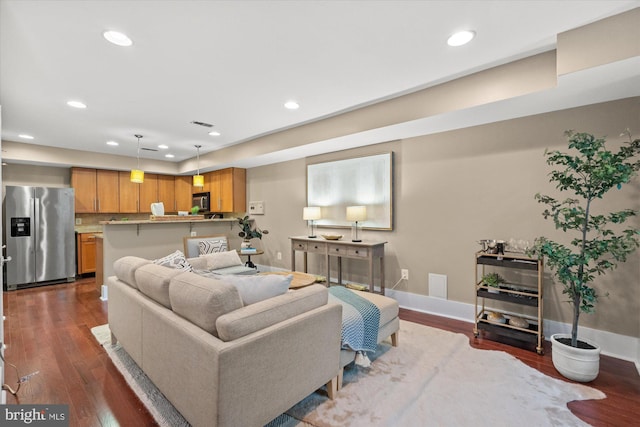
[[176, 260], [225, 259], [212, 246]]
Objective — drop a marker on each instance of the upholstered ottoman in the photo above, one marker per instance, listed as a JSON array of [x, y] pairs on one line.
[[389, 325]]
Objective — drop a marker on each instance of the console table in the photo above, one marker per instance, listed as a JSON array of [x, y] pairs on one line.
[[369, 251]]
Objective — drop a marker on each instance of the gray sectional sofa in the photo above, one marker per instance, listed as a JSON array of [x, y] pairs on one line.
[[221, 363]]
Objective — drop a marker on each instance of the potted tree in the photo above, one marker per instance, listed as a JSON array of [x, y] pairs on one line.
[[600, 241]]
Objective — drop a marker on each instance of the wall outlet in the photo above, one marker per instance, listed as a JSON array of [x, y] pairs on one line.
[[279, 255], [78, 221], [194, 234], [404, 274]]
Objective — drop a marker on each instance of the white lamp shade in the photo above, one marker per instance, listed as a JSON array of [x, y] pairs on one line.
[[356, 213], [311, 213]]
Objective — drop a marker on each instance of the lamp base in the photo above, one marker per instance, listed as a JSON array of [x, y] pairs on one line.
[[356, 240], [312, 237]]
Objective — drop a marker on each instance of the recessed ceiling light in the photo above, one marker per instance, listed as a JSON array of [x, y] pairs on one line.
[[25, 136], [170, 156], [117, 38], [461, 37], [163, 147], [76, 104], [291, 105], [214, 133], [113, 143]]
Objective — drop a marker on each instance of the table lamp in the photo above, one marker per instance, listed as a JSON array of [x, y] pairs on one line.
[[310, 214], [356, 213]]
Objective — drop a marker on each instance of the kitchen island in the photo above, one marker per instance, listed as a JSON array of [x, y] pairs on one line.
[[153, 239]]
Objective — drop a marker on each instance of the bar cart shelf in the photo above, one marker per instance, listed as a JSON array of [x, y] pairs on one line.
[[515, 295]]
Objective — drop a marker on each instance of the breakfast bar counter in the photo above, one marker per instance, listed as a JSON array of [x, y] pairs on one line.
[[152, 239]]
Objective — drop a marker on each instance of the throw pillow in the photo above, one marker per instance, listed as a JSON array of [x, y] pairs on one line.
[[175, 260], [212, 246], [257, 288], [222, 260]]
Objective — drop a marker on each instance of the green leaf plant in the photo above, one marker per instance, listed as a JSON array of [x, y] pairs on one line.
[[248, 232], [589, 170]]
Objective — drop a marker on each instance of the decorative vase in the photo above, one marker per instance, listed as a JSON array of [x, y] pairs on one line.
[[577, 364], [245, 244]]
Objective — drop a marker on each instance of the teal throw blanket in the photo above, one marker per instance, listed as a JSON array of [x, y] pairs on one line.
[[360, 319]]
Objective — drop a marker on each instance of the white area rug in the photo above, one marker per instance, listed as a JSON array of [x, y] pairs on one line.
[[434, 378]]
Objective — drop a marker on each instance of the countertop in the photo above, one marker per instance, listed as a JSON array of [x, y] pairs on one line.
[[177, 221], [94, 228]]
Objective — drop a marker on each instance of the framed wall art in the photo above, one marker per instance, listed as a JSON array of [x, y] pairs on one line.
[[359, 181]]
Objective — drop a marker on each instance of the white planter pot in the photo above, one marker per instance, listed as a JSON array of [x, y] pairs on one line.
[[577, 364]]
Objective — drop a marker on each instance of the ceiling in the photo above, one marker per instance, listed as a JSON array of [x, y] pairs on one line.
[[234, 64]]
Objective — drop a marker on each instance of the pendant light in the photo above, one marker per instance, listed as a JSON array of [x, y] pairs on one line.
[[198, 180], [137, 175]]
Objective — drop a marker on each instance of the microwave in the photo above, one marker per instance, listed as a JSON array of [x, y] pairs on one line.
[[201, 200]]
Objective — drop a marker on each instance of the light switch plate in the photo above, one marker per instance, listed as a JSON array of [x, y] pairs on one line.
[[256, 208]]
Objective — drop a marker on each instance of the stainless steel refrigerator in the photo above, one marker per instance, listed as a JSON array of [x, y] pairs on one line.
[[40, 237]]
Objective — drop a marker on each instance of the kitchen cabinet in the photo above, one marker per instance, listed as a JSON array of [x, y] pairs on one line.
[[129, 193], [148, 193], [167, 192], [528, 292], [96, 190], [86, 243], [184, 189], [137, 198], [228, 190]]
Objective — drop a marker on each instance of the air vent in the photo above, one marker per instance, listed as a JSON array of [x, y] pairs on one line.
[[207, 125], [148, 149]]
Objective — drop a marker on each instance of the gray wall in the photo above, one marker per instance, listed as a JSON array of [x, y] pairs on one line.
[[454, 188]]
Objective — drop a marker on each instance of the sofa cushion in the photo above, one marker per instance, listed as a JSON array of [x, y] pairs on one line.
[[263, 314], [257, 288], [201, 300], [153, 281], [224, 259], [175, 260], [125, 269], [198, 263], [388, 307]]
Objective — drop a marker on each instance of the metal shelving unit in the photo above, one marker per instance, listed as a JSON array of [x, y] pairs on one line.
[[515, 295]]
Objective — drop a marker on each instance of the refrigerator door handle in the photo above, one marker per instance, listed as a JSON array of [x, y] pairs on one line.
[[3, 259]]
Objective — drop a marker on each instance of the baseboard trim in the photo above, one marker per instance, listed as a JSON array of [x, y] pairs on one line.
[[615, 345]]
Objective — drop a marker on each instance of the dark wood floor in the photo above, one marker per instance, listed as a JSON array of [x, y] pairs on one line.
[[48, 329]]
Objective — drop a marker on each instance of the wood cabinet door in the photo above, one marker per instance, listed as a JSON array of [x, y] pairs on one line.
[[129, 193], [107, 191], [184, 192], [148, 192], [167, 192], [83, 182], [86, 253], [215, 201], [233, 191]]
